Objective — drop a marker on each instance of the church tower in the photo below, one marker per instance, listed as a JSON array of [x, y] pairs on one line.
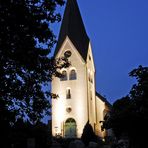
[[77, 102]]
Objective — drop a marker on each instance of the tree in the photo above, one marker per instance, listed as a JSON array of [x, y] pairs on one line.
[[118, 117], [88, 134], [139, 97], [26, 40], [129, 115]]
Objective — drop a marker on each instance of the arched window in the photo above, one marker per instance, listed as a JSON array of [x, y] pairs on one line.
[[73, 75], [64, 76]]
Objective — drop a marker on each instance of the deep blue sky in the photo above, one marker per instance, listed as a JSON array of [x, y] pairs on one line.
[[118, 30]]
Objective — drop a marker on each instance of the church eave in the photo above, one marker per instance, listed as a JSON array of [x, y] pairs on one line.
[[103, 99]]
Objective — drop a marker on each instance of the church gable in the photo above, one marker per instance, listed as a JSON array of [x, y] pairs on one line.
[[68, 46]]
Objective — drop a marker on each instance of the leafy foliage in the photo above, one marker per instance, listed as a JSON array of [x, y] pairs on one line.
[[25, 67], [129, 115]]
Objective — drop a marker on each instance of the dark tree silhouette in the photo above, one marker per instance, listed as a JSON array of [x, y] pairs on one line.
[[26, 40], [25, 44], [88, 134], [129, 115], [22, 132]]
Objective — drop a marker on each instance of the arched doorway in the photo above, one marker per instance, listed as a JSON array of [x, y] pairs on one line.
[[70, 128]]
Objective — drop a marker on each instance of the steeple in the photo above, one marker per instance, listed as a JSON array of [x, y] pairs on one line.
[[73, 27]]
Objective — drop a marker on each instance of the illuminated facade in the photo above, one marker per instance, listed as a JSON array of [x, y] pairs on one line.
[[78, 101]]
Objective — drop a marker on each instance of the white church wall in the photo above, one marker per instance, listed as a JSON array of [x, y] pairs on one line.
[[100, 117], [78, 101], [91, 87]]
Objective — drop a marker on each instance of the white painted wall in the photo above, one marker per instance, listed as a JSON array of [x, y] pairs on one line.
[[78, 101], [91, 87]]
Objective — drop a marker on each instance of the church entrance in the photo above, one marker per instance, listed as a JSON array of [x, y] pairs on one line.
[[70, 128]]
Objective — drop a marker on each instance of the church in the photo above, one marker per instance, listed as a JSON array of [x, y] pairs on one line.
[[78, 101]]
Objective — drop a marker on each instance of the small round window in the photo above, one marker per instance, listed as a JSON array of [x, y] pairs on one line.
[[67, 54], [68, 109]]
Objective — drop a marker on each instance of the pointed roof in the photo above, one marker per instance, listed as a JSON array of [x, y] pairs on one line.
[[73, 27]]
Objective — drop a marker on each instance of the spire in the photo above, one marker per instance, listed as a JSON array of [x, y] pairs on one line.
[[73, 27]]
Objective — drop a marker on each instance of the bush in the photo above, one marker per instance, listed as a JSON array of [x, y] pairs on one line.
[[88, 134]]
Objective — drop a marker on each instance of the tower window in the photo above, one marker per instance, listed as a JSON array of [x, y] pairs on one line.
[[73, 75], [89, 78], [68, 94], [90, 95], [64, 76], [89, 57]]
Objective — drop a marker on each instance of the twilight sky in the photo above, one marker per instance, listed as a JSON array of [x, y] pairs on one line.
[[118, 30]]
